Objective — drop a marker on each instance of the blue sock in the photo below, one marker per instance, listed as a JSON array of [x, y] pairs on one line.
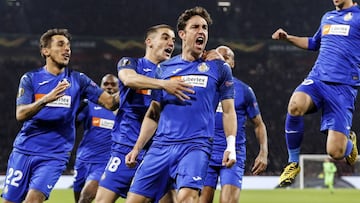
[[294, 132], [349, 147]]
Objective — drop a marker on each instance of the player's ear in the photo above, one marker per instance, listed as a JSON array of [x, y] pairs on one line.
[[148, 42], [181, 34], [45, 52]]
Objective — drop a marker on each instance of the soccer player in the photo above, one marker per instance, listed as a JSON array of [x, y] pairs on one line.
[[329, 173], [181, 147], [331, 86], [94, 149], [136, 81], [246, 107], [47, 100]]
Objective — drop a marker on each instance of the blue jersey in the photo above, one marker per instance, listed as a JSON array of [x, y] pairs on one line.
[[98, 122], [246, 106], [51, 132], [186, 121], [338, 39], [133, 103]]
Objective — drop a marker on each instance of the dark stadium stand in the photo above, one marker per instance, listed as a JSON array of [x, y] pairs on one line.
[[271, 68]]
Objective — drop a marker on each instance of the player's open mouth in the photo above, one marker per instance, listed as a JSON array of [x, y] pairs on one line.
[[199, 40], [168, 51]]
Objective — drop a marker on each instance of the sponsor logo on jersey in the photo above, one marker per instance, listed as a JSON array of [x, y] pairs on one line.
[[64, 101], [203, 67], [194, 80], [342, 30], [97, 107], [49, 186], [102, 123], [144, 91]]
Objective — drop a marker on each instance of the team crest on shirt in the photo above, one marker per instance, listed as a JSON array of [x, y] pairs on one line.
[[66, 80], [348, 16], [203, 67]]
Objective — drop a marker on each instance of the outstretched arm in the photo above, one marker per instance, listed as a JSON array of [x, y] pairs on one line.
[[148, 128], [261, 136], [301, 42]]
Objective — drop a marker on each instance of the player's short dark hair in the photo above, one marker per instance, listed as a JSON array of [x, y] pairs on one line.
[[155, 28], [187, 14], [45, 39]]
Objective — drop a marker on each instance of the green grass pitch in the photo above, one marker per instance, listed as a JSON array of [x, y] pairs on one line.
[[260, 196]]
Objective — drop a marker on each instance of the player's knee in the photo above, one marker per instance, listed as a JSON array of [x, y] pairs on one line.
[[295, 110], [336, 154]]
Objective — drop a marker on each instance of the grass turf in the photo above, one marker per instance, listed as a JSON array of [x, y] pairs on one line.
[[260, 196]]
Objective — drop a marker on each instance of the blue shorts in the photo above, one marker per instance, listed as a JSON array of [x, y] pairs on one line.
[[337, 102], [27, 172], [184, 163], [117, 176], [85, 171], [228, 176]]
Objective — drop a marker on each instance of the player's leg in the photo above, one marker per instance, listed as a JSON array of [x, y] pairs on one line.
[[35, 196], [229, 194], [46, 172], [191, 171], [211, 180], [104, 195], [89, 190], [80, 171], [231, 180], [337, 121], [299, 104], [116, 179], [152, 178], [304, 100], [169, 197], [207, 194]]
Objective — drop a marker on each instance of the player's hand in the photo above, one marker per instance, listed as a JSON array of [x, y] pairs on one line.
[[130, 158], [259, 165], [279, 34], [229, 159], [178, 88], [57, 92], [212, 55]]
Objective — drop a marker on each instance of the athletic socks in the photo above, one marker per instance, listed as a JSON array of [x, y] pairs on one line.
[[294, 132]]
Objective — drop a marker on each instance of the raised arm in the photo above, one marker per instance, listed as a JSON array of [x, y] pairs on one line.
[[148, 128], [301, 42]]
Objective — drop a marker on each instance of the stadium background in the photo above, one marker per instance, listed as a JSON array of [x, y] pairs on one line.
[[104, 31]]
